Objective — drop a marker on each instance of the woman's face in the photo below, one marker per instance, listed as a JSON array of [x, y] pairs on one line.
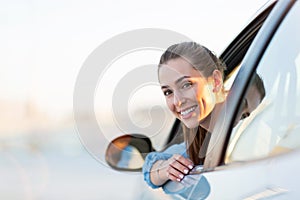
[[188, 94]]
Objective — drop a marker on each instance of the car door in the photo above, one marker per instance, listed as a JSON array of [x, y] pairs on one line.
[[258, 157]]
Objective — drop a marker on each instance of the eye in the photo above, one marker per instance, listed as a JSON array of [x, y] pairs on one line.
[[167, 92], [245, 115], [187, 85]]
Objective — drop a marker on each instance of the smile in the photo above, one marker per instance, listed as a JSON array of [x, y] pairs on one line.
[[187, 111]]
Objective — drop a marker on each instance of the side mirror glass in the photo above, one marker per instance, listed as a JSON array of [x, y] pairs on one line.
[[127, 152]]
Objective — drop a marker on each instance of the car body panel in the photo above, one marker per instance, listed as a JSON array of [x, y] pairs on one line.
[[259, 179]]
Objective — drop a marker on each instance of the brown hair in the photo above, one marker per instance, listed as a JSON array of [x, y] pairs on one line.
[[205, 61], [200, 57]]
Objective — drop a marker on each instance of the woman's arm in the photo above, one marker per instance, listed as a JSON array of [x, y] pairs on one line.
[[175, 168], [162, 166]]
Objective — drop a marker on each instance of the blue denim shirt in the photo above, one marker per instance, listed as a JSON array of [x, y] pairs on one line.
[[152, 157]]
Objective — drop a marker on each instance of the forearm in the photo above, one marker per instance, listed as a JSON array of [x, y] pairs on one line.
[[157, 164]]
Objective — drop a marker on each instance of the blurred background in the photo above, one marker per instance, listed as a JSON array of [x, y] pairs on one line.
[[43, 46]]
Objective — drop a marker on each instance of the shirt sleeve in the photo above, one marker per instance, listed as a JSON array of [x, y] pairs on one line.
[[152, 157]]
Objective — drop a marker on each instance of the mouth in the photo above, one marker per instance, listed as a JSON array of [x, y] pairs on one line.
[[187, 112]]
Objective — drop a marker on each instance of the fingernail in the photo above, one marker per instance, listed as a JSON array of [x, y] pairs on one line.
[[186, 171], [178, 180], [190, 166], [181, 176]]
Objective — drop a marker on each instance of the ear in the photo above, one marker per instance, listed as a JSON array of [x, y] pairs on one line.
[[218, 80]]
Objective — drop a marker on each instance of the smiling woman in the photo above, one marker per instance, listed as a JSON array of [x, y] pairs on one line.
[[191, 78]]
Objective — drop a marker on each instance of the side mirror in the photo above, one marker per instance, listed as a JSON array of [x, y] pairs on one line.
[[128, 152]]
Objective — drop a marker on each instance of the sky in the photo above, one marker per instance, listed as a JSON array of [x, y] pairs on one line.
[[45, 43]]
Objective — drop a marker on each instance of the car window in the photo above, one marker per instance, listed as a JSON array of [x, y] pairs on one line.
[[271, 125]]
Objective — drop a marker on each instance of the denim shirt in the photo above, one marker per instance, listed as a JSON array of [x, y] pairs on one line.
[[152, 157]]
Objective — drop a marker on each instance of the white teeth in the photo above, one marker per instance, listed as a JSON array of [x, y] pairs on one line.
[[187, 111]]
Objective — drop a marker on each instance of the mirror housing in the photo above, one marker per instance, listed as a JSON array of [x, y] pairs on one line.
[[128, 152]]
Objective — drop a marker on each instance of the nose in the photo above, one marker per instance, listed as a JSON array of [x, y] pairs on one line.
[[178, 99]]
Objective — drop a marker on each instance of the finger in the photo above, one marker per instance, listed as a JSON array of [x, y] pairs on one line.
[[174, 178], [180, 167], [184, 161], [175, 174]]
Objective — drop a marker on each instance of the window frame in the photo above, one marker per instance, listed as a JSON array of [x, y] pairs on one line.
[[280, 118], [222, 131]]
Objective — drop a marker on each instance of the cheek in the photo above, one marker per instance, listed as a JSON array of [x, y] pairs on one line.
[[170, 104], [204, 92], [206, 96]]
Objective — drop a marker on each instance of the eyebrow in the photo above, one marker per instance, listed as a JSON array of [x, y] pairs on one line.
[[180, 79], [177, 81]]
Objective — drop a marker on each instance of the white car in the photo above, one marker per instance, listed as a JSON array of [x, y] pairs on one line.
[[259, 157]]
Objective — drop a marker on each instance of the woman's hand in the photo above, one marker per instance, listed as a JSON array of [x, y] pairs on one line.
[[177, 167]]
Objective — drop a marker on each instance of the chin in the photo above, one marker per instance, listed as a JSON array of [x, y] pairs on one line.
[[191, 124]]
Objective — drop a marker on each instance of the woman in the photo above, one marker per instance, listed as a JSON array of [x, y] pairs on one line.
[[191, 79]]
